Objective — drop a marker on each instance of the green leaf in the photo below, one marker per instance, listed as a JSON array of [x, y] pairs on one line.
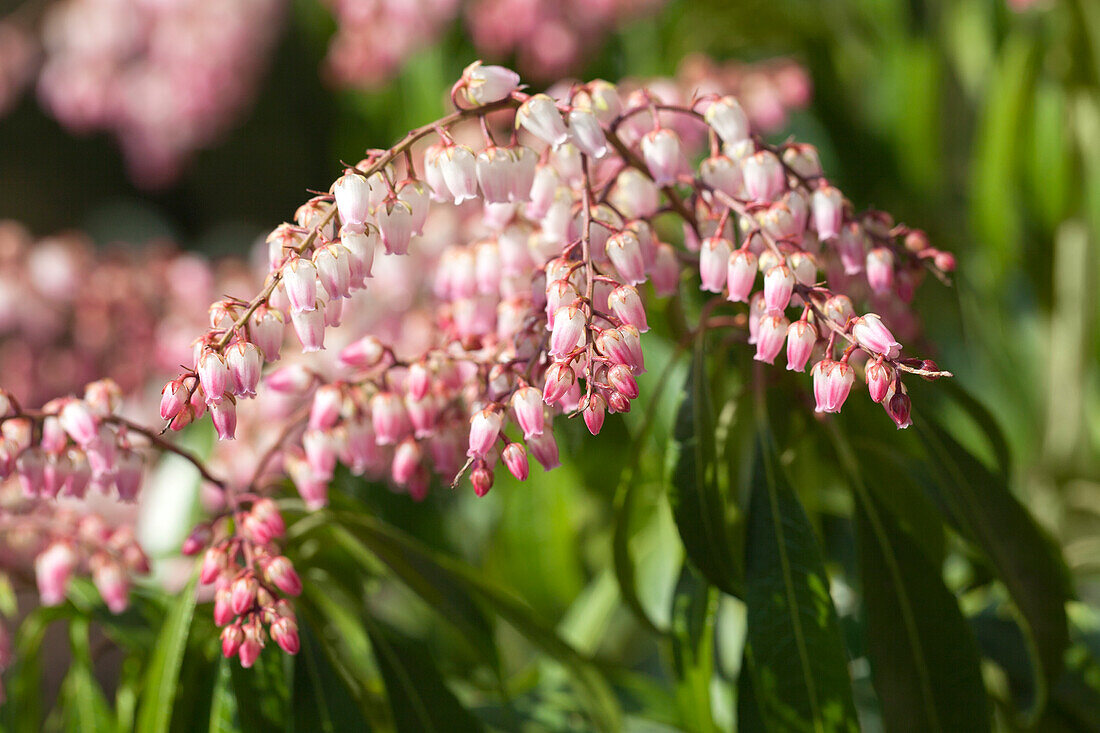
[[694, 608], [794, 647], [698, 503], [223, 704], [22, 711], [419, 567], [1024, 558], [162, 675], [263, 691], [924, 659], [321, 701], [419, 698], [85, 708]]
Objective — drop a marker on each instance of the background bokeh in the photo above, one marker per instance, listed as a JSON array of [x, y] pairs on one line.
[[977, 120]]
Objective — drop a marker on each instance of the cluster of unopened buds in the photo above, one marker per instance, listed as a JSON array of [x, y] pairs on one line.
[[538, 300]]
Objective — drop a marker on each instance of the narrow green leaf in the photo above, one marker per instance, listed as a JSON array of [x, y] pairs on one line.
[[694, 608], [321, 702], [1024, 558], [223, 704], [697, 500], [159, 692], [22, 710], [85, 708], [796, 652], [263, 692]]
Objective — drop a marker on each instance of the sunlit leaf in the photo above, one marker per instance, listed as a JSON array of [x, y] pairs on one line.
[[162, 675]]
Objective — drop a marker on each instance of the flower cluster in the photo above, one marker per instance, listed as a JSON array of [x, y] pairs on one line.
[[538, 227], [151, 73]]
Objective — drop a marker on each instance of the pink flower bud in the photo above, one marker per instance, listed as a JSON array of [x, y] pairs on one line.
[[622, 381], [802, 158], [395, 222], [851, 246], [113, 587], [8, 453], [313, 490], [778, 286], [352, 194], [635, 194], [880, 270], [665, 273], [839, 308], [54, 438], [415, 195], [78, 421], [587, 133], [213, 562], [560, 378], [198, 539], [487, 84], [232, 638], [487, 268], [363, 354], [763, 175], [770, 336], [879, 376], [801, 337], [360, 247], [527, 404], [898, 406], [388, 418], [224, 416], [320, 449], [540, 116], [244, 362], [309, 327], [722, 174], [626, 304], [30, 467], [515, 458], [522, 174], [333, 265], [828, 209], [664, 156], [568, 332], [325, 409], [728, 120], [213, 375], [832, 382], [280, 572], [53, 568], [265, 329], [484, 429], [870, 333], [285, 633], [545, 449], [494, 172], [481, 478], [103, 397], [300, 281], [594, 410], [242, 594], [249, 652], [740, 275], [406, 461], [459, 169], [714, 255]]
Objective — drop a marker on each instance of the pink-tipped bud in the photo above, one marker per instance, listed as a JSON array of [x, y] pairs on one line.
[[244, 362], [406, 461], [801, 337], [728, 120], [300, 282], [545, 449], [722, 174], [320, 450], [285, 633], [587, 133], [53, 569], [763, 175], [363, 354], [198, 539], [828, 210], [622, 381], [324, 412], [265, 522], [880, 270], [395, 223], [224, 416], [459, 168], [872, 335], [242, 594], [898, 406], [213, 562], [626, 304], [78, 421], [493, 170], [540, 116], [879, 376], [484, 429], [388, 418], [635, 195], [486, 84], [714, 256], [173, 398], [266, 327], [527, 404], [560, 378], [770, 335], [309, 327], [568, 332], [112, 584], [804, 267], [664, 156], [851, 246], [481, 478], [232, 638], [333, 264], [213, 375], [778, 286], [594, 410], [249, 652], [280, 572], [352, 194], [740, 275], [665, 272], [832, 382], [360, 247], [625, 252], [515, 458]]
